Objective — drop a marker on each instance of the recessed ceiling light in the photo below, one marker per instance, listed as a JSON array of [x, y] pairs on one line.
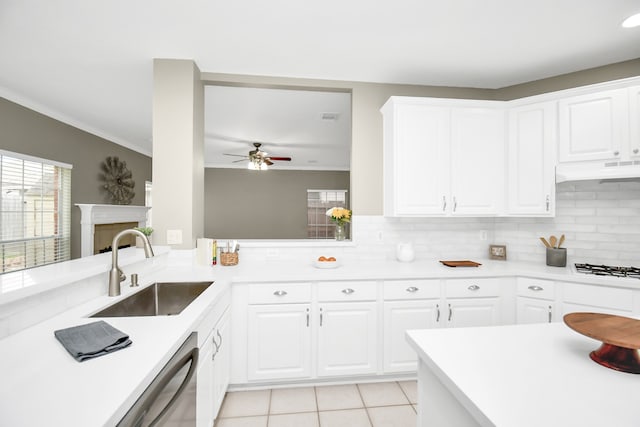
[[632, 21]]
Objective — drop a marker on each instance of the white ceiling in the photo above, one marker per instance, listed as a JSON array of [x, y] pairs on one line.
[[90, 63]]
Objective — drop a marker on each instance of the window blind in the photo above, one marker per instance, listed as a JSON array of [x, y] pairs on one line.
[[35, 211]]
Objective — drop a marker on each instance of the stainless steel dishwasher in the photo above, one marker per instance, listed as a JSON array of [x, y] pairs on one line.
[[170, 399]]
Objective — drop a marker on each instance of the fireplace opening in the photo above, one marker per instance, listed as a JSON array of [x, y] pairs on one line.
[[104, 234]]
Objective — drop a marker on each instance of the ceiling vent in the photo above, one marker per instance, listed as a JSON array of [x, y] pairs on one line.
[[330, 116]]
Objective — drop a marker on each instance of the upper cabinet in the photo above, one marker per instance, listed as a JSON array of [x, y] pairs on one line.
[[593, 126], [531, 160], [443, 157]]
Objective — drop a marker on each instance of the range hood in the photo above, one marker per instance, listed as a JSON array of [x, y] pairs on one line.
[[609, 171]]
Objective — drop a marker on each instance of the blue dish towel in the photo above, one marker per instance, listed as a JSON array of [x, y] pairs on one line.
[[92, 340]]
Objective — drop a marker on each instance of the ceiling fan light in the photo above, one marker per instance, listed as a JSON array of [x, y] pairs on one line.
[[632, 21]]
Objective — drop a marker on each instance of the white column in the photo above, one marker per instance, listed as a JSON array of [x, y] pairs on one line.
[[178, 151]]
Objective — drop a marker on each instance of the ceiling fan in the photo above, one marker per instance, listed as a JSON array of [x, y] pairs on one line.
[[258, 159]]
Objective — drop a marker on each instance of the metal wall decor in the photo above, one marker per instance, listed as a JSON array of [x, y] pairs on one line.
[[117, 181]]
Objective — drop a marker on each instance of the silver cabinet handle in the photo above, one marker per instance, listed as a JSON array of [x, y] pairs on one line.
[[615, 153], [535, 288], [473, 287], [307, 317], [636, 150], [444, 203], [320, 317], [437, 312], [450, 312], [280, 293], [549, 314], [219, 336], [412, 289], [213, 340], [348, 291], [548, 202], [455, 204]]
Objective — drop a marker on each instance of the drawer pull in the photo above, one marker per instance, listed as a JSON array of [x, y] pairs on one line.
[[280, 293], [412, 289], [437, 312], [473, 287], [535, 288], [450, 312], [348, 291]]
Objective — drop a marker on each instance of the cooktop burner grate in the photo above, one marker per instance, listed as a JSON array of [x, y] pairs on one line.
[[607, 270]]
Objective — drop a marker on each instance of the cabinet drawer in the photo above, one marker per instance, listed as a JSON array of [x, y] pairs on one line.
[[536, 288], [280, 293], [347, 291], [411, 289], [598, 296], [469, 288]]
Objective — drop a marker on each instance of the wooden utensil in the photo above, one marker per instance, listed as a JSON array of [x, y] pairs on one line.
[[561, 241], [553, 240], [543, 240]]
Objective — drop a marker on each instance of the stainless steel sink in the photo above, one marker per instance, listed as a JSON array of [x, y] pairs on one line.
[[159, 299]]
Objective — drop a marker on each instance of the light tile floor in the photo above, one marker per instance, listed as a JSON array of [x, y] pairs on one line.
[[388, 404]]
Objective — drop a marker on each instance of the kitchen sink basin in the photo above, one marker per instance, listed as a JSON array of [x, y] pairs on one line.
[[159, 299]]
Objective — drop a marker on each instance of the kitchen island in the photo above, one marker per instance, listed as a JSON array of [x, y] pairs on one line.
[[518, 375]]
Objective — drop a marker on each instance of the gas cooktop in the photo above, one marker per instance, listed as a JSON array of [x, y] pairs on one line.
[[607, 270]]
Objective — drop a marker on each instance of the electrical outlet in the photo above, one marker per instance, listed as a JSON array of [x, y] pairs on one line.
[[483, 235], [174, 237]]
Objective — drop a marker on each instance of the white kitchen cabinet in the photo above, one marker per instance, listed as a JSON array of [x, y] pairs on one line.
[[416, 158], [221, 358], [471, 302], [593, 126], [443, 157], [204, 393], [477, 161], [535, 301], [279, 341], [531, 157], [347, 338], [598, 299], [408, 304], [634, 122]]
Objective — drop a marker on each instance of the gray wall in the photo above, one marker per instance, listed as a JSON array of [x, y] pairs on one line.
[[25, 131], [244, 204]]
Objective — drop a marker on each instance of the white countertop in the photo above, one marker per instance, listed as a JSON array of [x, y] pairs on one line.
[[529, 376], [37, 372]]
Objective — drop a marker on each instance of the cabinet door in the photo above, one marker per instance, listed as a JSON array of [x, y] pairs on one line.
[[416, 161], [399, 317], [531, 310], [592, 126], [634, 117], [347, 339], [477, 161], [472, 312], [204, 393], [531, 165], [221, 362], [279, 341]]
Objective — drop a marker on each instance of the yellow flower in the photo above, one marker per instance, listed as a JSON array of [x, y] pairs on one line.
[[339, 215]]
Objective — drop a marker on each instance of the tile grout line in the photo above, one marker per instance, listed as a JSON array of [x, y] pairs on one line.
[[366, 409], [315, 394]]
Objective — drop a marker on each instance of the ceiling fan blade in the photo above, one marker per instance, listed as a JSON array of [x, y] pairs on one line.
[[235, 155], [286, 159], [268, 162], [238, 161]]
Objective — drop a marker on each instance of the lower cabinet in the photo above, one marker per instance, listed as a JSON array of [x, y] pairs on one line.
[[279, 342], [598, 299], [221, 358], [535, 302], [472, 312], [347, 338]]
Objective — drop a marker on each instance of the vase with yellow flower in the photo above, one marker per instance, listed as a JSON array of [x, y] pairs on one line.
[[340, 216]]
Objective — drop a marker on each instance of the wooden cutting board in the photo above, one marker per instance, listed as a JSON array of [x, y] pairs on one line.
[[465, 263], [608, 328]]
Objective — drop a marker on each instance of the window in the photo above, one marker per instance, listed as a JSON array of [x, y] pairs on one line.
[[35, 211], [319, 226]]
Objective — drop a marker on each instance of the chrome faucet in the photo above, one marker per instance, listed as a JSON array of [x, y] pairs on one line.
[[115, 274]]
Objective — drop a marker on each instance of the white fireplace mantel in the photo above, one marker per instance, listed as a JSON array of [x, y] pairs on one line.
[[92, 214]]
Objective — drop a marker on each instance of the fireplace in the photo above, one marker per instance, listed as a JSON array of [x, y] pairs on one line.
[[110, 220]]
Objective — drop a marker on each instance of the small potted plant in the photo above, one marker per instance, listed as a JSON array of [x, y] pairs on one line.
[[147, 232]]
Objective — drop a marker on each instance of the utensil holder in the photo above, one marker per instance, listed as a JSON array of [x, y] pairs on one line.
[[557, 257], [229, 258]]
